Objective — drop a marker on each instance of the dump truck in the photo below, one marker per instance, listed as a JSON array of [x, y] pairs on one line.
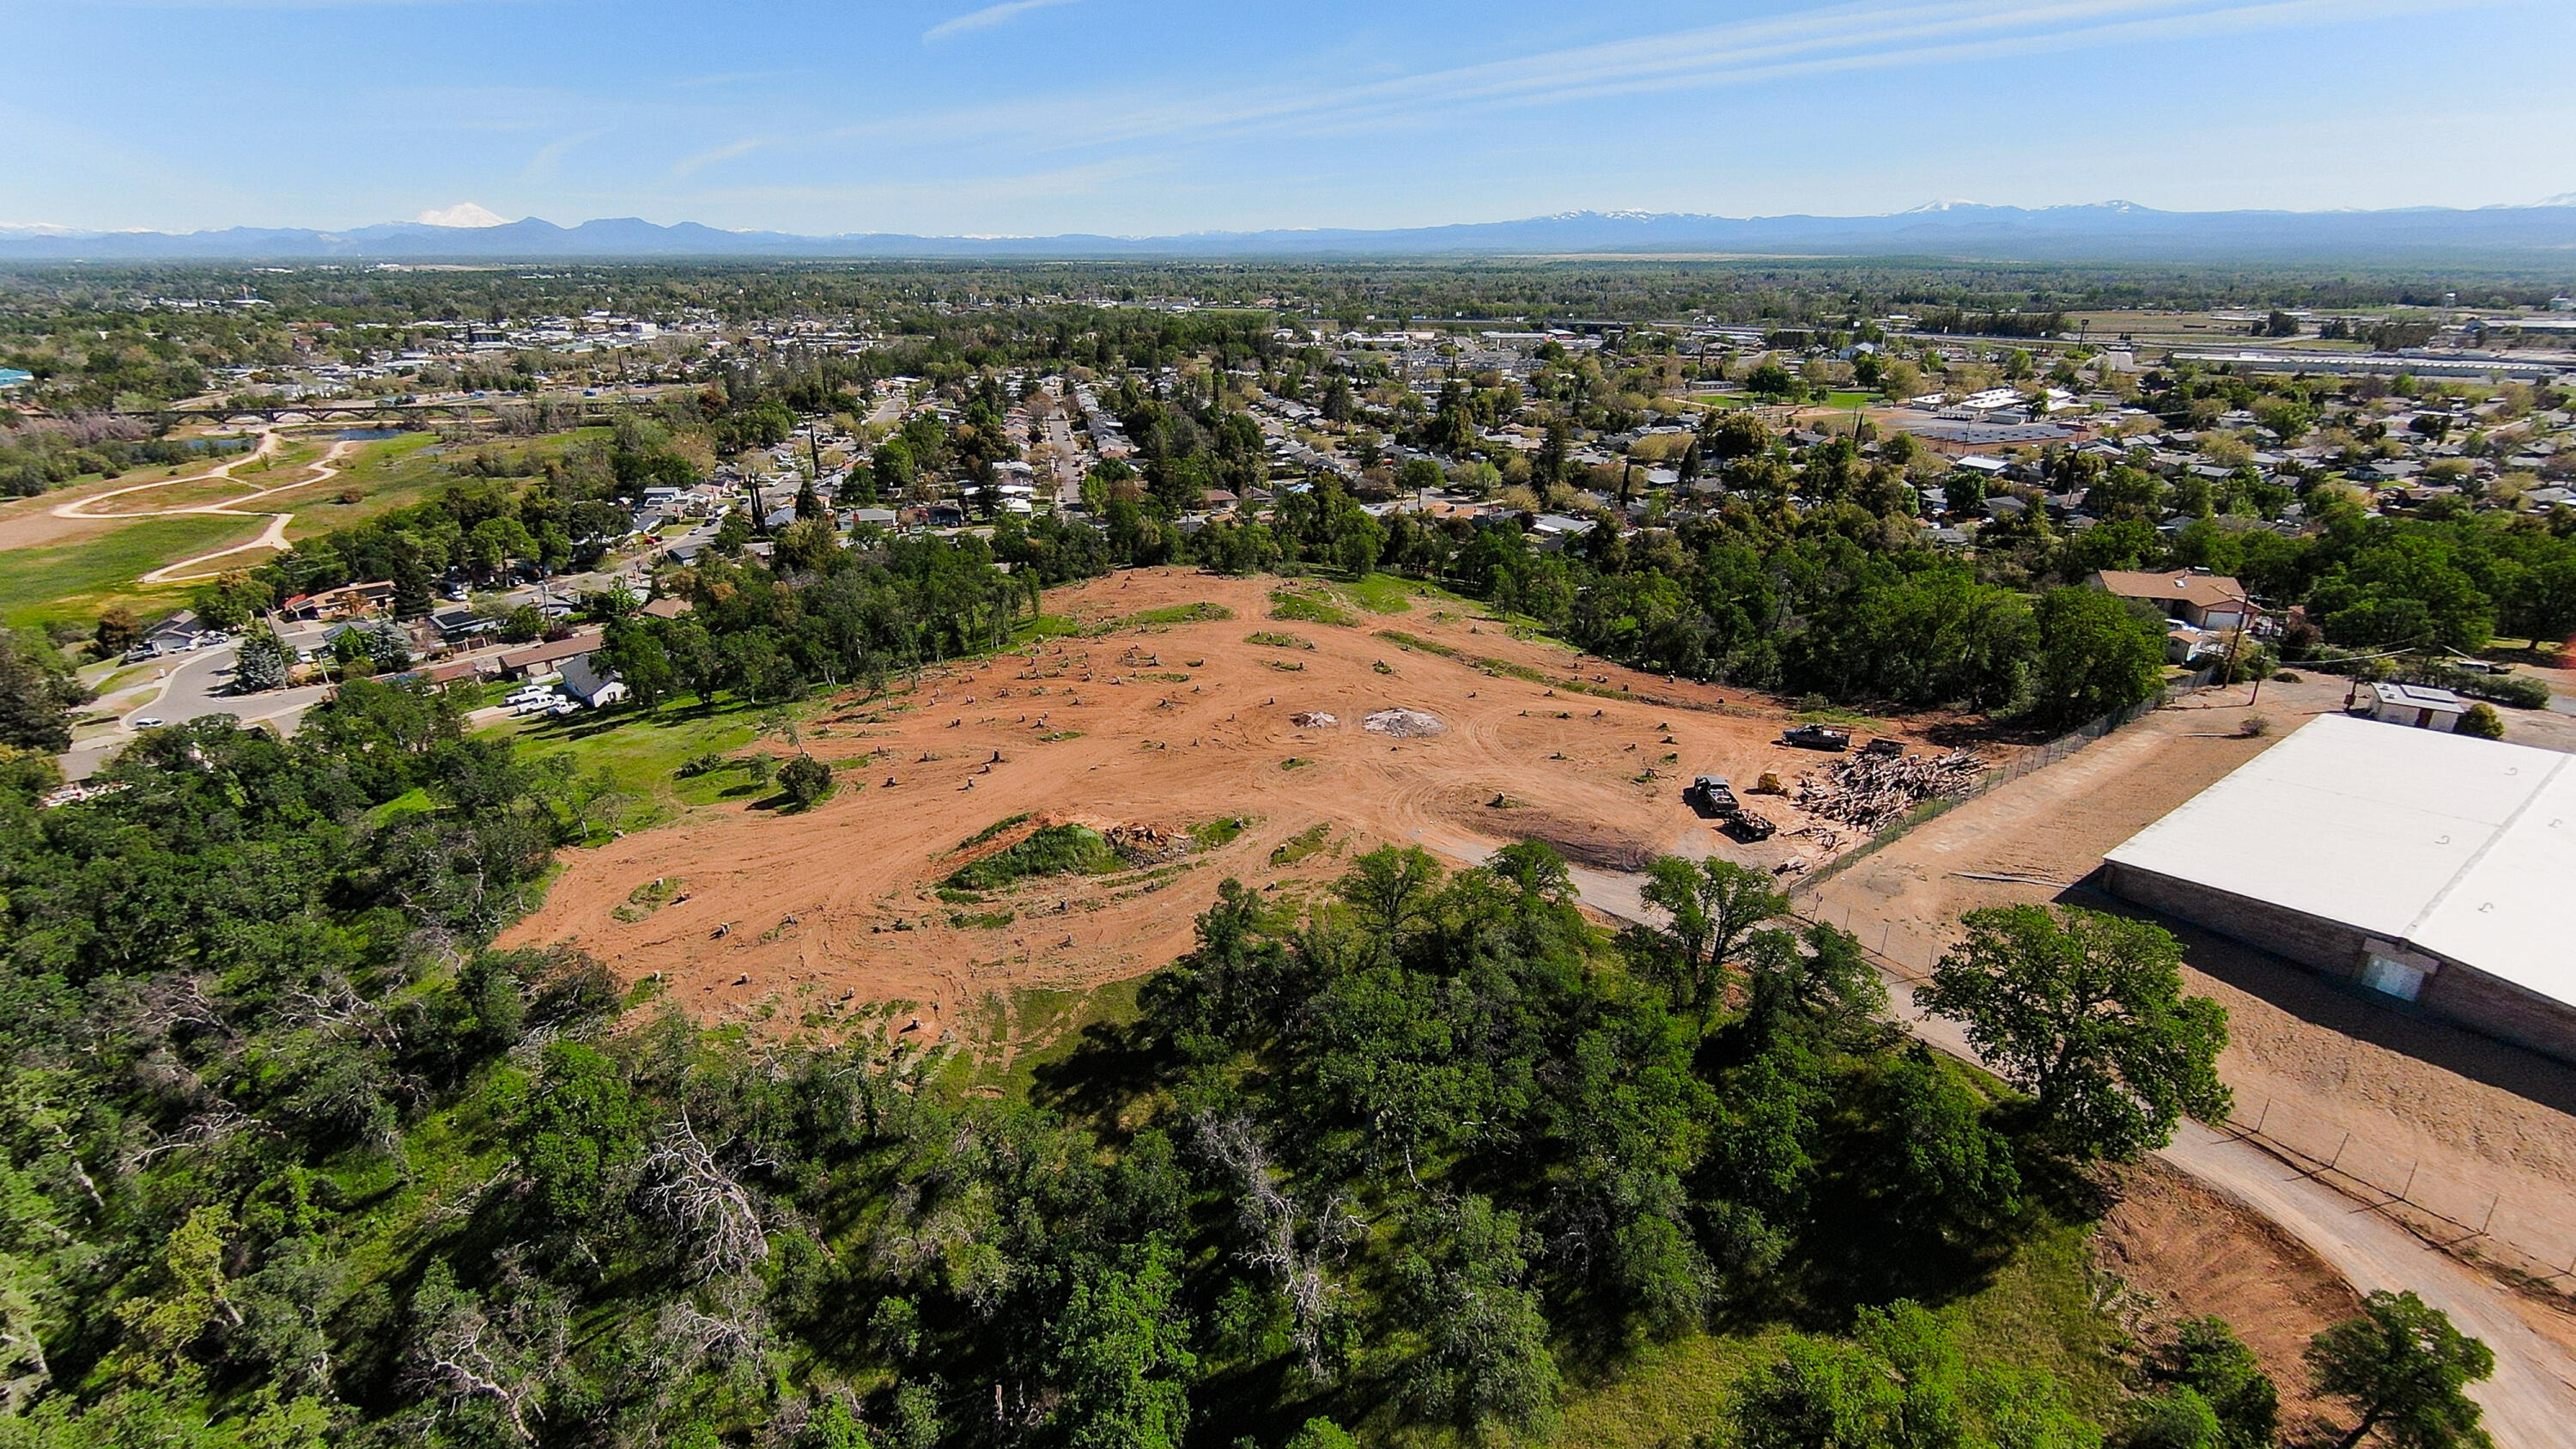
[[1817, 737]]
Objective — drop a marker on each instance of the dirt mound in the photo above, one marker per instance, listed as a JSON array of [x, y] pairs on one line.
[[1403, 724]]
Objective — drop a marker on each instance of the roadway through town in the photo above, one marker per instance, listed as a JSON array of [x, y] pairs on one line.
[[199, 683]]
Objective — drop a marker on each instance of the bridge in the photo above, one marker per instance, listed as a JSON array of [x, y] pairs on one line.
[[383, 410]]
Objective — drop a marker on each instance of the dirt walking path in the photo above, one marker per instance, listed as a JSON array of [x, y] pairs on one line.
[[271, 538]]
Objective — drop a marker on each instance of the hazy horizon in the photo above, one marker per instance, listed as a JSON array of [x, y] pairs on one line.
[[1137, 118]]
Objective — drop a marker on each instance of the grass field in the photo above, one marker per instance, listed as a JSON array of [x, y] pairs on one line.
[[74, 581], [642, 754]]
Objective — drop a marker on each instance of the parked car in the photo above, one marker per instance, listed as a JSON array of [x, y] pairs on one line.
[[147, 722], [1817, 737]]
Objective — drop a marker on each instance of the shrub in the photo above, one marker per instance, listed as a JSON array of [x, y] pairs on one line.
[[2521, 691], [1056, 850], [2483, 722], [805, 779]]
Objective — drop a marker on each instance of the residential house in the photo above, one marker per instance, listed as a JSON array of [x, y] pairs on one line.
[[591, 682], [541, 661], [2195, 596]]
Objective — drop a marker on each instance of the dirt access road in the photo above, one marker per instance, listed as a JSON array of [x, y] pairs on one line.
[[1166, 726], [2470, 1122]]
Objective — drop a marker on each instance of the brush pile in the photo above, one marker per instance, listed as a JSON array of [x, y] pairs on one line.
[[1868, 791]]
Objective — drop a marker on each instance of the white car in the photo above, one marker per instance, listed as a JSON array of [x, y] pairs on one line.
[[146, 722]]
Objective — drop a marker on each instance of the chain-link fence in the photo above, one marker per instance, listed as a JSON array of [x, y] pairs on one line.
[[2036, 758], [2462, 1218]]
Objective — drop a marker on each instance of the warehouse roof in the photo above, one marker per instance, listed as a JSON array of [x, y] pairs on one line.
[[2460, 847]]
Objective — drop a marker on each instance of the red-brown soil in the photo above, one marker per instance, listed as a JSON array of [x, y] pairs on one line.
[[1169, 726]]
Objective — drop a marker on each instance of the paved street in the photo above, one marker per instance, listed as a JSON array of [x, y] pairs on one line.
[[195, 686]]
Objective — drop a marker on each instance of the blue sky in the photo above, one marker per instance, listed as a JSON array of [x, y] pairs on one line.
[[1157, 116]]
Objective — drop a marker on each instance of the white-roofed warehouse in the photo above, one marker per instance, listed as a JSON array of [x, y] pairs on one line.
[[2428, 867]]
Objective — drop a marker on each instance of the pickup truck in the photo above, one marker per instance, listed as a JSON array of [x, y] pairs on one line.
[[1710, 795], [1817, 737]]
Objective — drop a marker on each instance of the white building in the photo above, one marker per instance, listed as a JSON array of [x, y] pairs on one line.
[[2419, 705]]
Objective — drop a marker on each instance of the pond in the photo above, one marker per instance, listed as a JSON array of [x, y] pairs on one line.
[[366, 435]]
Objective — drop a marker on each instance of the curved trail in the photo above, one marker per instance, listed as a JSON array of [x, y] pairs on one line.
[[272, 538]]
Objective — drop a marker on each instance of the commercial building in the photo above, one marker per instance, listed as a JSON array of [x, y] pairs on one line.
[[2427, 868]]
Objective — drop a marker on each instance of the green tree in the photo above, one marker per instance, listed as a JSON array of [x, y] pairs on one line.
[[2095, 655], [2085, 1012], [1390, 889], [1484, 1351], [805, 779], [1322, 1434], [37, 692], [1714, 906], [2211, 1363], [1120, 1352], [261, 663], [2404, 1367], [118, 630], [2482, 721]]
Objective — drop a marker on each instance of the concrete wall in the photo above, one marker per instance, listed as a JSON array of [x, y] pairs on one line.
[[2321, 945], [2456, 993]]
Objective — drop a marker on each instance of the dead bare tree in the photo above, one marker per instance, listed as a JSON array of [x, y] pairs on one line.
[[1286, 1241], [706, 1206], [465, 1354]]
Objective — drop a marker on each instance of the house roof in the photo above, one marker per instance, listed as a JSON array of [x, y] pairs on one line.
[[2203, 590], [553, 651], [2456, 846], [2420, 696], [666, 608]]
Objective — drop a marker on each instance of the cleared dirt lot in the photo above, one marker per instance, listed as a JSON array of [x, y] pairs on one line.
[[1170, 726]]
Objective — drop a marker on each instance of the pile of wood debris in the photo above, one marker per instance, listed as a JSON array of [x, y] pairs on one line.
[[1143, 845], [1868, 791]]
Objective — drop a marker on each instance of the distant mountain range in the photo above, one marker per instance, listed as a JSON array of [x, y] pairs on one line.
[[2106, 232]]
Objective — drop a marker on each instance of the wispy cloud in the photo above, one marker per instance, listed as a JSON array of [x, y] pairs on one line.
[[1842, 39], [541, 166], [692, 165], [986, 18]]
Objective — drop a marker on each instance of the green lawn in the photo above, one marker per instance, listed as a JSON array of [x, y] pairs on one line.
[[76, 580], [388, 473], [642, 753]]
